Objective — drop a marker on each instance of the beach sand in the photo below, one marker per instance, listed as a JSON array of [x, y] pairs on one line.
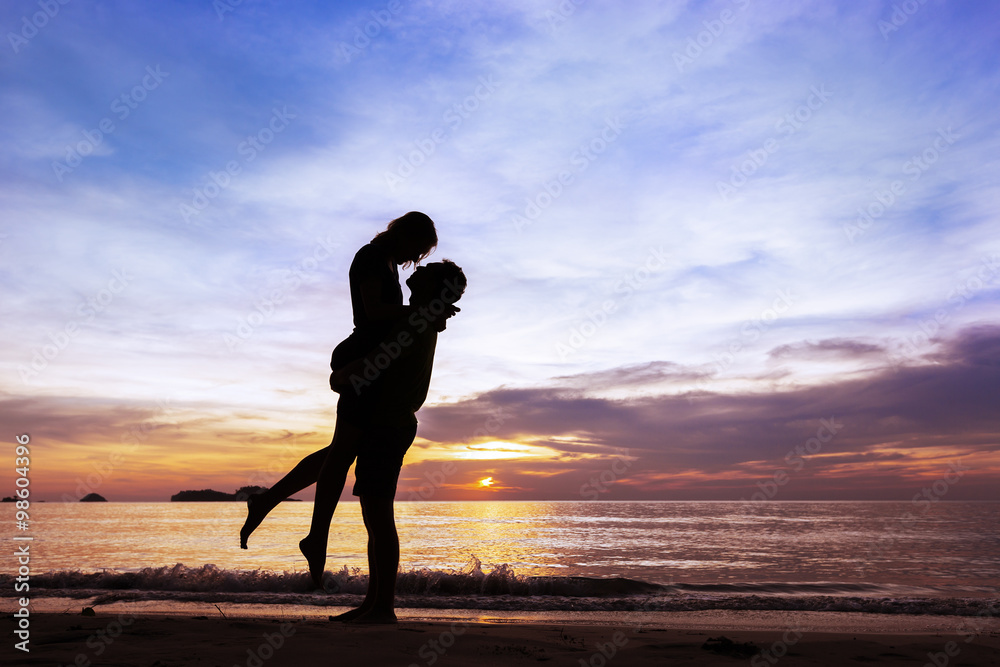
[[825, 639]]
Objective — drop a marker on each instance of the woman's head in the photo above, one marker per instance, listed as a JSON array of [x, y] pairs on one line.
[[411, 237]]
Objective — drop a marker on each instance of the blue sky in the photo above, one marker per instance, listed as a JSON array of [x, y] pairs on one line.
[[703, 212]]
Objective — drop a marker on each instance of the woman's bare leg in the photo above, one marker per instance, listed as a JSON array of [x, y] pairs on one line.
[[340, 455], [306, 472]]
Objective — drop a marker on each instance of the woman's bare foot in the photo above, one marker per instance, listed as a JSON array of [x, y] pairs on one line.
[[349, 615], [257, 509], [316, 557], [375, 617]]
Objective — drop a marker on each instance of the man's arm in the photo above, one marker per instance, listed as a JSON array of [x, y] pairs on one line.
[[379, 311], [402, 341]]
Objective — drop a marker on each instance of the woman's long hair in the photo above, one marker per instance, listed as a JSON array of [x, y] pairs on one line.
[[413, 226]]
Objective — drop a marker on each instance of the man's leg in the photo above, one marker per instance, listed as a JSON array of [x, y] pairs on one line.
[[369, 600], [329, 485], [306, 472], [383, 561]]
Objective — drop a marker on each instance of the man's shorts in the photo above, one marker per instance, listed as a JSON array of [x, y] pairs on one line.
[[380, 458]]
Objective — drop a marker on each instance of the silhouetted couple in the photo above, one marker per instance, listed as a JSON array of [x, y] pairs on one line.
[[382, 372]]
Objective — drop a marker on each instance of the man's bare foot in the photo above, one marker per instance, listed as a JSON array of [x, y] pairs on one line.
[[316, 557], [349, 615], [374, 617], [257, 509]]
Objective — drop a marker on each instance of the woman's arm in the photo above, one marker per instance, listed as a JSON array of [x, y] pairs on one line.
[[380, 311], [377, 309]]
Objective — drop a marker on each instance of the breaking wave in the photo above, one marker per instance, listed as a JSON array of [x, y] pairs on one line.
[[500, 589]]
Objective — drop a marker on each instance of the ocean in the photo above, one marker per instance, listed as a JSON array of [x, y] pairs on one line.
[[524, 557]]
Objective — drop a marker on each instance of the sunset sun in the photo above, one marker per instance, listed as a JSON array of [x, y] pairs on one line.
[[486, 482]]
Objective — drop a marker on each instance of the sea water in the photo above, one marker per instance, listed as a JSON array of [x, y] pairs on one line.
[[895, 557]]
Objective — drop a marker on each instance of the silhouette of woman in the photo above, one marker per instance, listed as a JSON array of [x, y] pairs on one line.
[[386, 411], [377, 302]]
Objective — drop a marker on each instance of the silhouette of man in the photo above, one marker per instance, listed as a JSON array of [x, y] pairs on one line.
[[386, 388]]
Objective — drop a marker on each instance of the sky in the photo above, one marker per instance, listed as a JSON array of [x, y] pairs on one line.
[[733, 250]]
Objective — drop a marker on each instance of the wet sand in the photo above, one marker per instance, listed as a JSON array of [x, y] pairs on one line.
[[121, 638]]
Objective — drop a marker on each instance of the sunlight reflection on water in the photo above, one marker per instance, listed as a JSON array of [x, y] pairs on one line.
[[661, 542]]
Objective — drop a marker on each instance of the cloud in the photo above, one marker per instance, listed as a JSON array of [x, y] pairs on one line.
[[635, 375], [139, 450], [807, 111], [832, 347], [916, 417]]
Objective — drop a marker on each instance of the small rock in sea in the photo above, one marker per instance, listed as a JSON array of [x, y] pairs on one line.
[[88, 611]]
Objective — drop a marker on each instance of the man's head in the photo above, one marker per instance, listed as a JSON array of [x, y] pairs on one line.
[[442, 280]]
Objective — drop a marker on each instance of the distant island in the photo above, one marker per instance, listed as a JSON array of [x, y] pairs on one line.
[[211, 495], [93, 498]]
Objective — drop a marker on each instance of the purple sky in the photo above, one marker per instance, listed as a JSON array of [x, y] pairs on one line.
[[707, 243]]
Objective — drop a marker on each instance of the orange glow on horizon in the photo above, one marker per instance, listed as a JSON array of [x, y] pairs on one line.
[[498, 449]]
